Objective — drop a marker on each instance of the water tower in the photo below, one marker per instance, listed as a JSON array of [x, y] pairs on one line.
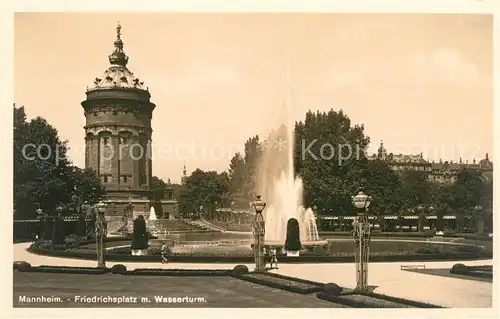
[[118, 113]]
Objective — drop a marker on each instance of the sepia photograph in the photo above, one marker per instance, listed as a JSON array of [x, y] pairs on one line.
[[252, 160]]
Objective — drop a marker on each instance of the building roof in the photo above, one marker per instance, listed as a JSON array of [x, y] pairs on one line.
[[485, 163], [407, 158], [117, 76]]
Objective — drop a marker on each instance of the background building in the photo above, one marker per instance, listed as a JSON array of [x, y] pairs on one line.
[[441, 172]]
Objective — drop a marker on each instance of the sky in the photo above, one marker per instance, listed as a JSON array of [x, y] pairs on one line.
[[422, 83]]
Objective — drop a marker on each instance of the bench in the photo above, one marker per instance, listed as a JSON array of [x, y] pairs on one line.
[[411, 267]]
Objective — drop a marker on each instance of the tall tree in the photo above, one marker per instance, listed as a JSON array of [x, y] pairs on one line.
[[158, 186], [237, 179], [43, 174], [384, 185], [415, 189], [329, 153], [466, 194], [204, 189], [85, 184], [252, 159]]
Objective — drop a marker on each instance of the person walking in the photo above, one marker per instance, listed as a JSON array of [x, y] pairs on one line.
[[164, 252], [274, 258]]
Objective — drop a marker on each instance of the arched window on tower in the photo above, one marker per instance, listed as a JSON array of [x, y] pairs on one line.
[[105, 156]]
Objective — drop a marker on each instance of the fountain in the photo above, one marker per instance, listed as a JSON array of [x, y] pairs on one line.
[[152, 214], [283, 190]]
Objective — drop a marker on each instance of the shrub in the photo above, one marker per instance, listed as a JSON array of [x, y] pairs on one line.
[[240, 269], [457, 268], [118, 269], [449, 232], [320, 250], [140, 237], [332, 289], [21, 266], [292, 242]]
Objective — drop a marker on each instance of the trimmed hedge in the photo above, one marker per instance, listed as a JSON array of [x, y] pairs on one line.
[[300, 280], [292, 241], [140, 234], [66, 270], [178, 272], [21, 266], [334, 293], [350, 301], [240, 269], [413, 303], [473, 271], [379, 234], [332, 289], [118, 269], [295, 285]]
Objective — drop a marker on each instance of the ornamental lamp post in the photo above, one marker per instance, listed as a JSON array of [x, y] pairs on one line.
[[421, 217], [259, 230], [214, 211], [431, 213], [99, 231], [361, 236], [39, 213], [479, 219]]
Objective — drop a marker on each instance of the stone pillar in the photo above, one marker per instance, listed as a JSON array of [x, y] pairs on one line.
[[88, 141]]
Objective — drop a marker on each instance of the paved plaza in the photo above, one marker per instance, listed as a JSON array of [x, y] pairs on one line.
[[387, 277], [155, 291]]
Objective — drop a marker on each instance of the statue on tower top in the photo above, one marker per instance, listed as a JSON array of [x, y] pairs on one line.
[[118, 31], [118, 57]]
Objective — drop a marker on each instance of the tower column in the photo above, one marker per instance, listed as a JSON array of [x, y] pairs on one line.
[[135, 152], [115, 161]]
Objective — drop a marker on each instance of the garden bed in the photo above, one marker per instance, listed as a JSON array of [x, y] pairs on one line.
[[336, 252]]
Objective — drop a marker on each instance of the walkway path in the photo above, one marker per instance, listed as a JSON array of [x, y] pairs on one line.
[[444, 291]]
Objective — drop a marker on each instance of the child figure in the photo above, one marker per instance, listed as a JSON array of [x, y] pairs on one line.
[[274, 258]]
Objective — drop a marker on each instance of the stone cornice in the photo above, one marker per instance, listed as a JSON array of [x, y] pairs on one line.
[[116, 129], [117, 106]]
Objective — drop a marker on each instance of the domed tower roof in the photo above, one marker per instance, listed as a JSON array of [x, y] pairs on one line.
[[382, 152], [117, 76]]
